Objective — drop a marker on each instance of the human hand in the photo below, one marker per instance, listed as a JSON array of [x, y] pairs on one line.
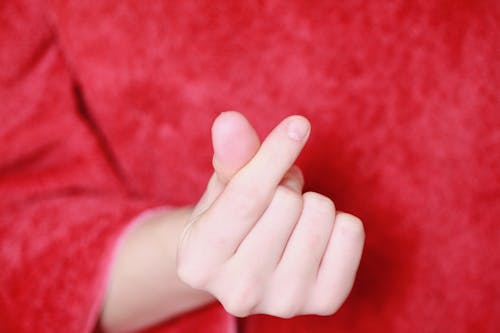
[[255, 241]]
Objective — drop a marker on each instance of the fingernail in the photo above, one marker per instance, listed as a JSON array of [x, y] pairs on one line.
[[298, 128]]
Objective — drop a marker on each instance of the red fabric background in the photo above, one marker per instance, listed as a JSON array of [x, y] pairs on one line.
[[106, 107]]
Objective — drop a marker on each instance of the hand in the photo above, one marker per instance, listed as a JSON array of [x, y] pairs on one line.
[[255, 241]]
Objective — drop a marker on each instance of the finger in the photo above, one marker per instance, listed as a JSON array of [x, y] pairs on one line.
[[271, 162], [235, 142], [339, 265], [213, 190], [294, 179], [249, 192], [267, 239], [309, 239]]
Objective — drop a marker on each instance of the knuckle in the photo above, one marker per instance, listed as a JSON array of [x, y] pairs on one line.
[[286, 194], [320, 203], [293, 180], [288, 302], [284, 314], [236, 308], [285, 309], [190, 268], [192, 274], [244, 297], [325, 307], [351, 225], [325, 301]]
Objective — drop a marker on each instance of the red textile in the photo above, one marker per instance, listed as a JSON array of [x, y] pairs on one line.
[[106, 107]]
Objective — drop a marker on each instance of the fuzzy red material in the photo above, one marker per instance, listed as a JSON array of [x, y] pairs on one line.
[[106, 108]]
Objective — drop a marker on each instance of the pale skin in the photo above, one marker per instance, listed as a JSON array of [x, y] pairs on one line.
[[254, 241]]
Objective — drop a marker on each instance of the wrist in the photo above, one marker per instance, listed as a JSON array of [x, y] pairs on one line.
[[143, 288]]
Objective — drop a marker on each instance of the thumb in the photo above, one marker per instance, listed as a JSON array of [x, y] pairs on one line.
[[235, 142]]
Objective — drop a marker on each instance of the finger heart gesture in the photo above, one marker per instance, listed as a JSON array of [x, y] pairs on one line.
[[255, 241]]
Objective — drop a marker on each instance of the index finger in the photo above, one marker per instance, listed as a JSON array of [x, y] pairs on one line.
[[250, 191]]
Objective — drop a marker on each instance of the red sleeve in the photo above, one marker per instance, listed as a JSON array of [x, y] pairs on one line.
[[64, 199], [62, 203]]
